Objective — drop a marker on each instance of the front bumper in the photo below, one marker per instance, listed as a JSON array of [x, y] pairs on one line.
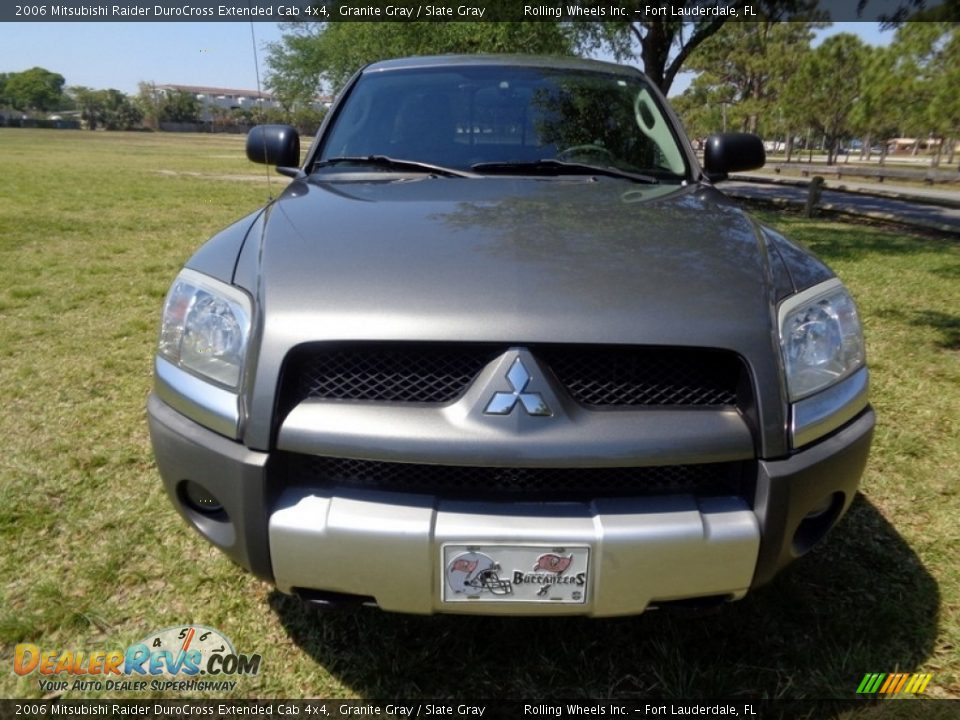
[[387, 546], [641, 550]]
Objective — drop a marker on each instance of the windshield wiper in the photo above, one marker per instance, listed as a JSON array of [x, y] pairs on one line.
[[393, 163], [557, 167]]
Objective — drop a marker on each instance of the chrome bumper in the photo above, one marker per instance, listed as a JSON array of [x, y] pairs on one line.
[[389, 547]]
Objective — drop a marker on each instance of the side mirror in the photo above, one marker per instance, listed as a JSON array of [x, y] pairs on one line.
[[731, 152], [274, 145]]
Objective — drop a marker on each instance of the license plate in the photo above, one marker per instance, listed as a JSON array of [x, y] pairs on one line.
[[515, 573]]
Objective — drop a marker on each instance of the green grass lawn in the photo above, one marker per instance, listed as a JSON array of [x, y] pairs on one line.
[[94, 226]]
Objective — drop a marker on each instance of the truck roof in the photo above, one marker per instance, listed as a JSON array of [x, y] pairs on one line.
[[542, 61]]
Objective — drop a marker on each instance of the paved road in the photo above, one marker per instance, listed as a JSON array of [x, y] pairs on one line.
[[891, 207], [942, 194]]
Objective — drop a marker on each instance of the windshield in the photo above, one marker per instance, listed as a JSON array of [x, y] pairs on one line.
[[488, 118]]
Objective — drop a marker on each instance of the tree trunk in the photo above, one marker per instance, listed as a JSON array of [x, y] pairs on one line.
[[654, 48], [789, 145]]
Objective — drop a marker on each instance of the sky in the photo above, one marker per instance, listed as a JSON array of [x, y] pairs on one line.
[[216, 54]]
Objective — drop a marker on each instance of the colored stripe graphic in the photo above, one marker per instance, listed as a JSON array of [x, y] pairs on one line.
[[922, 682], [893, 684], [891, 680], [870, 683]]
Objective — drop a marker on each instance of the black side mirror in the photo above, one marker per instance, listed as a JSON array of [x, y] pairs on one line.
[[731, 152], [274, 145]]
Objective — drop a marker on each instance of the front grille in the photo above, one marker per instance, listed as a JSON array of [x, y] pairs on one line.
[[629, 376], [383, 372], [595, 376], [544, 484]]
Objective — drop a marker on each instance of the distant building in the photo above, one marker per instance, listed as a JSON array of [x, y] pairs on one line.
[[232, 99], [226, 98], [904, 145]]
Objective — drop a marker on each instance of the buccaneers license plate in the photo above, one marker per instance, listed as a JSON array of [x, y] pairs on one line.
[[515, 573]]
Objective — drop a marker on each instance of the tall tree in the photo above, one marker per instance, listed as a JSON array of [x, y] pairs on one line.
[[109, 109], [35, 89], [663, 46], [826, 87], [666, 44], [90, 105], [931, 53], [744, 67], [119, 111], [314, 53], [180, 106], [335, 50], [702, 107], [150, 102], [886, 101], [945, 96]]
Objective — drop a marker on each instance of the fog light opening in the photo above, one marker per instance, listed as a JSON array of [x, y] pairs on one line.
[[821, 509], [205, 512], [198, 498], [817, 523]]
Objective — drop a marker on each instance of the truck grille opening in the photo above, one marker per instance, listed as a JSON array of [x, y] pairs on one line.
[[383, 372], [611, 377], [595, 376], [544, 484]]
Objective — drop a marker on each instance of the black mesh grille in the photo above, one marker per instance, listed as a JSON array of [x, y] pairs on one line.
[[597, 376], [645, 376], [398, 373], [540, 483]]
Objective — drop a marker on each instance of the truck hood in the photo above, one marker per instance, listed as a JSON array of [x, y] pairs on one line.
[[517, 260]]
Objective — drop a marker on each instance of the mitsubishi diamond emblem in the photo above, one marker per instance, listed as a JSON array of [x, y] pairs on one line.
[[502, 403]]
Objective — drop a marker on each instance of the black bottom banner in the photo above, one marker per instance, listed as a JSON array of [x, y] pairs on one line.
[[337, 709]]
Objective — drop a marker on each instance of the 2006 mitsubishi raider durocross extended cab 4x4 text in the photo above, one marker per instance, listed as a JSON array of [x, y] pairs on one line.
[[501, 347]]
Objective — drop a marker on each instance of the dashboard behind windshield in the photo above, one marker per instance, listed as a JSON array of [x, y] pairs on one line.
[[466, 116]]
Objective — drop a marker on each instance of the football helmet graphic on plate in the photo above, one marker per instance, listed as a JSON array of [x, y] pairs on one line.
[[473, 572]]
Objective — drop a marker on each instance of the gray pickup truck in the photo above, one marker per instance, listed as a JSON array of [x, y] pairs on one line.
[[501, 347]]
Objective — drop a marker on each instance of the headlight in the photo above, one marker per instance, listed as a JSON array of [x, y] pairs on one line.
[[206, 324], [820, 338]]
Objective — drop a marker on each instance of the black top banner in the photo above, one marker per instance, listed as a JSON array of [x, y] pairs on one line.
[[464, 10], [472, 709]]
